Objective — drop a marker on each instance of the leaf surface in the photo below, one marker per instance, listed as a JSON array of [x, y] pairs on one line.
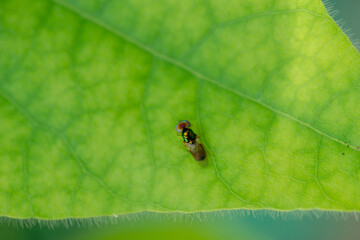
[[91, 91]]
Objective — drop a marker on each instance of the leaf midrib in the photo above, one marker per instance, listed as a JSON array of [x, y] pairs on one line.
[[201, 76]]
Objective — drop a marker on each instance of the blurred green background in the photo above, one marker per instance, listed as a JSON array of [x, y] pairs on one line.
[[222, 225], [231, 225], [347, 14]]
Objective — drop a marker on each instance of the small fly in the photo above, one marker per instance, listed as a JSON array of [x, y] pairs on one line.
[[191, 140]]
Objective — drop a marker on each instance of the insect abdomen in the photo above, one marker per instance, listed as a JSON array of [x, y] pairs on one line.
[[197, 150], [200, 154]]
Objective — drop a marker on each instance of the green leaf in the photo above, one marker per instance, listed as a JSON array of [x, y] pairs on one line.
[[91, 92]]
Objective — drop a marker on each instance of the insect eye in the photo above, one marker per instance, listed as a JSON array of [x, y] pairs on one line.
[[182, 124]]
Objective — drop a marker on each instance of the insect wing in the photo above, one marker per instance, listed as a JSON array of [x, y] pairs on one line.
[[197, 150]]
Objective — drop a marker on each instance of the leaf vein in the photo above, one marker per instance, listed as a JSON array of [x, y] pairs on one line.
[[197, 74]]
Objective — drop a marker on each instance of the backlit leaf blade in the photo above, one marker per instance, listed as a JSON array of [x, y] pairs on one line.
[[91, 94]]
